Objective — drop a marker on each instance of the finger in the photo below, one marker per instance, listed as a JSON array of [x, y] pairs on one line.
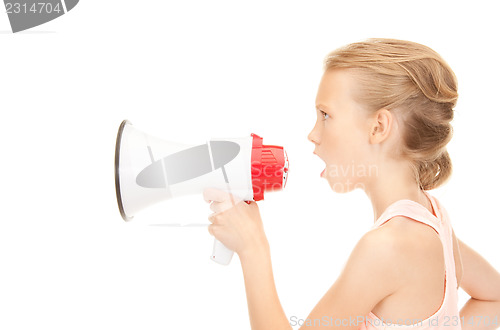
[[215, 218], [214, 206], [212, 229], [214, 195], [218, 207]]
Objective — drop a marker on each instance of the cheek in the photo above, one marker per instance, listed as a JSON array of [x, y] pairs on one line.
[[338, 137], [331, 141], [345, 144]]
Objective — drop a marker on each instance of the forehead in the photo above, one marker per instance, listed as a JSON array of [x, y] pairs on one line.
[[335, 86]]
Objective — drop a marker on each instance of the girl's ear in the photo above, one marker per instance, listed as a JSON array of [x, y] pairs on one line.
[[381, 126]]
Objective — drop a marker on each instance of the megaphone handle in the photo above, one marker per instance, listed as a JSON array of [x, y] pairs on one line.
[[221, 254]]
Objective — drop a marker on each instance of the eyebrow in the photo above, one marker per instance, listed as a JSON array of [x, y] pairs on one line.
[[322, 106]]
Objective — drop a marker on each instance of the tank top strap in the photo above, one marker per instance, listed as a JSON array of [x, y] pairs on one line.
[[413, 210]]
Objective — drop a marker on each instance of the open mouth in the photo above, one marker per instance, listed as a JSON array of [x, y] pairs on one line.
[[324, 170]]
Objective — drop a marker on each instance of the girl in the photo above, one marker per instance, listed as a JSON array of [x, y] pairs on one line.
[[387, 105]]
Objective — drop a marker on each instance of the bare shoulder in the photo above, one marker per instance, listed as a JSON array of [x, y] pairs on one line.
[[371, 272], [407, 232], [377, 268], [402, 233], [406, 245], [384, 240], [384, 253], [395, 253]]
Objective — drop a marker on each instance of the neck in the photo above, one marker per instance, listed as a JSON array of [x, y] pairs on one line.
[[391, 184]]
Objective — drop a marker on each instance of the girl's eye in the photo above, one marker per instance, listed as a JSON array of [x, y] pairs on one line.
[[324, 114]]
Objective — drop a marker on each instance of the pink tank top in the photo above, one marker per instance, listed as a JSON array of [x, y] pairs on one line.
[[447, 317]]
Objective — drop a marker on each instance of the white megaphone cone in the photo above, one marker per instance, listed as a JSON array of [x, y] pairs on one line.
[[149, 170]]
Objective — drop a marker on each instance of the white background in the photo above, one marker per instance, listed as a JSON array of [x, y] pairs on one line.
[[188, 71]]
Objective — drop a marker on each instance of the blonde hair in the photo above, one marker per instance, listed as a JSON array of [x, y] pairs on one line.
[[415, 83]]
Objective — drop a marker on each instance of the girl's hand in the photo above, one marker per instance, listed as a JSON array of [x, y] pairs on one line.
[[238, 226]]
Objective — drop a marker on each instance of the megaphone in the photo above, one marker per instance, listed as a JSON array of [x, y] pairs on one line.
[[149, 170]]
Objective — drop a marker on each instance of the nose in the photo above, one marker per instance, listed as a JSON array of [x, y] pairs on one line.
[[314, 136]]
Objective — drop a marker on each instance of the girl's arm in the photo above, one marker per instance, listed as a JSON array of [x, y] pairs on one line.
[[482, 282], [239, 227], [264, 307]]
